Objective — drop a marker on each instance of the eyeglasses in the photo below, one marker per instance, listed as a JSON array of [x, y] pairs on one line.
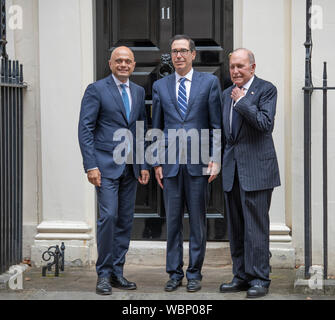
[[183, 52]]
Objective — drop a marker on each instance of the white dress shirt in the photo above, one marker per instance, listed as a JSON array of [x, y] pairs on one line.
[[118, 84], [187, 83]]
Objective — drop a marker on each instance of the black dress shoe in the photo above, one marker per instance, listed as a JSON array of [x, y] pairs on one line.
[[122, 283], [103, 286], [172, 285], [234, 286], [193, 285], [257, 291]]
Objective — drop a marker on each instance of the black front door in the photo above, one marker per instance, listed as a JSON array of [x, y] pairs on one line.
[[146, 27]]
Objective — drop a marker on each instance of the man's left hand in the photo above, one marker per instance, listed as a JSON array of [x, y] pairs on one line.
[[144, 177]]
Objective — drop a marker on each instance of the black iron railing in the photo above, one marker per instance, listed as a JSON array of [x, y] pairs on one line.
[[11, 104], [308, 90], [11, 108]]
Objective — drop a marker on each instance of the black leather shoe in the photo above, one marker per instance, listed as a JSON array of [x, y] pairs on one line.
[[172, 285], [193, 285], [257, 291], [234, 286], [103, 286], [122, 283]]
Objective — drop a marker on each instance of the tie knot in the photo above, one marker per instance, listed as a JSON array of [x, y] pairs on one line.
[[182, 80], [123, 86]]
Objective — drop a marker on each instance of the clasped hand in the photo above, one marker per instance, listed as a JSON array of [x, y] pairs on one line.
[[237, 93]]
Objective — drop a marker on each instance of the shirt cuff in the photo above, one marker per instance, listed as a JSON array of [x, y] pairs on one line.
[[238, 100]]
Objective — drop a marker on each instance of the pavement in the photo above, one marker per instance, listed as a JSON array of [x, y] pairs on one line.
[[78, 283]]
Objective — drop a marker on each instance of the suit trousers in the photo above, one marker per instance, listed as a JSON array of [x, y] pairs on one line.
[[249, 231], [192, 191], [116, 202]]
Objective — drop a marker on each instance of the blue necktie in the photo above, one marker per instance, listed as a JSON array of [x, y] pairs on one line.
[[236, 117], [125, 99], [182, 99]]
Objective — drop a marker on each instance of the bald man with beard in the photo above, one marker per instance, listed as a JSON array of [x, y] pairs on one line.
[[108, 105]]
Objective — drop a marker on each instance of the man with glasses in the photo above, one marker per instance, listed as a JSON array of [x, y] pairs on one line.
[[185, 100], [108, 105], [249, 172]]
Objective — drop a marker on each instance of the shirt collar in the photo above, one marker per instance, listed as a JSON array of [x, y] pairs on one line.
[[248, 84], [188, 76], [118, 82]]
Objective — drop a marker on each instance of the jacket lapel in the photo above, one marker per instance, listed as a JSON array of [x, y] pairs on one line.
[[249, 95], [253, 88], [228, 104], [195, 87], [112, 87], [133, 110], [239, 122]]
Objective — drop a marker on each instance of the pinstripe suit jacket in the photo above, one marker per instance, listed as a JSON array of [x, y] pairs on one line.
[[252, 152]]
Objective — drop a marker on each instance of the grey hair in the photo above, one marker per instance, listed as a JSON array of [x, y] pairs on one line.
[[249, 52]]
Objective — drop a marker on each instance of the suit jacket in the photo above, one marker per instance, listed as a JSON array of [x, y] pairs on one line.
[[252, 152], [102, 114], [203, 112]]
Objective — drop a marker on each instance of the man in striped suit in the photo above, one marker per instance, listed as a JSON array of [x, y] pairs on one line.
[[249, 172]]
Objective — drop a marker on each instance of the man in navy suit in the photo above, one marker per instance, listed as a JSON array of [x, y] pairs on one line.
[[249, 172], [109, 105], [191, 101]]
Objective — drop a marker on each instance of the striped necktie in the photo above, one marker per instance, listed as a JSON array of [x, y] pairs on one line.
[[182, 98], [125, 99]]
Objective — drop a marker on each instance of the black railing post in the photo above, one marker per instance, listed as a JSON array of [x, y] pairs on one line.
[[3, 40], [325, 173], [2, 191], [308, 89], [20, 157]]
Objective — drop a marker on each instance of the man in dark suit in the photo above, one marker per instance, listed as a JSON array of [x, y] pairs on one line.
[[108, 105], [249, 172], [185, 100]]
